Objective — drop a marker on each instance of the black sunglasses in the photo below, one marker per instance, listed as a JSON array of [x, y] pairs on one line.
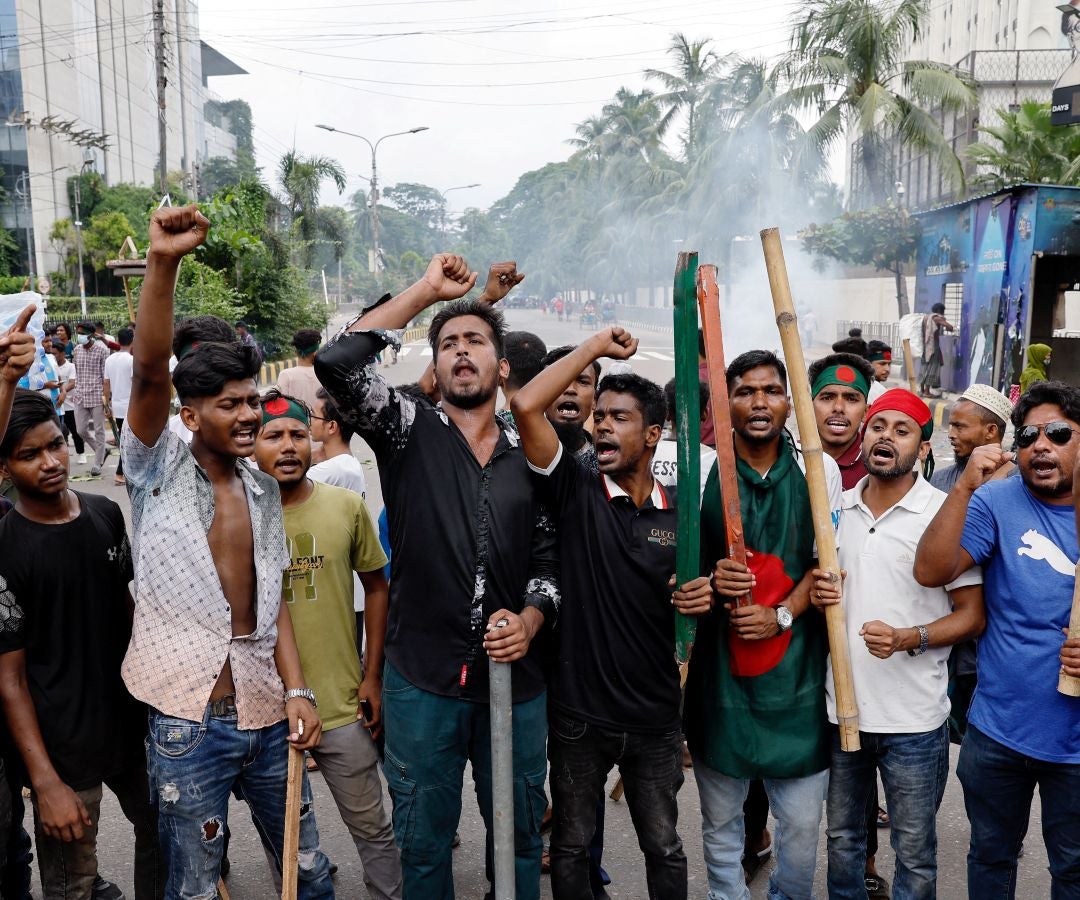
[[1059, 433]]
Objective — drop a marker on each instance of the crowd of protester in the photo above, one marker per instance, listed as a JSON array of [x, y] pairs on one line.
[[255, 607]]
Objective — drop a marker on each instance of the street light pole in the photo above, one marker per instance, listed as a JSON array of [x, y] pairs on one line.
[[460, 187], [22, 190], [373, 261]]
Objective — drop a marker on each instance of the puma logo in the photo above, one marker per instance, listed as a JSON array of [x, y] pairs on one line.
[[1041, 547]]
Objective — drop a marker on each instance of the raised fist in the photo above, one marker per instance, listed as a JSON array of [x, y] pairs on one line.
[[614, 343], [502, 277], [449, 277], [176, 231]]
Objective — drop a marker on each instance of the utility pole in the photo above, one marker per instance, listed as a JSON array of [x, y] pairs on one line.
[[22, 190], [162, 83], [374, 267]]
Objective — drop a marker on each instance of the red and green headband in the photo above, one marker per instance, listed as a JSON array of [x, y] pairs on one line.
[[842, 375], [282, 407]]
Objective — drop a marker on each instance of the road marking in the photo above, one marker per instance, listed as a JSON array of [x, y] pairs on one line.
[[652, 354], [426, 351], [404, 351]]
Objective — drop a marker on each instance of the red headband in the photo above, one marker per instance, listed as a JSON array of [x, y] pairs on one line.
[[901, 400]]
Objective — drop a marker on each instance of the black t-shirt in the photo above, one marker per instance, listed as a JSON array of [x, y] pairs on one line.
[[63, 601], [615, 662]]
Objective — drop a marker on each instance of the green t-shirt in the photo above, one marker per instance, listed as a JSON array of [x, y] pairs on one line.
[[330, 536]]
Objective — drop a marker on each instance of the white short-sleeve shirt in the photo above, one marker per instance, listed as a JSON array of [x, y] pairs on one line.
[[902, 694]]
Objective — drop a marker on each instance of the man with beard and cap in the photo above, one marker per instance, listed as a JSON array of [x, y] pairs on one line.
[[615, 687], [900, 634], [839, 384], [330, 537], [977, 418], [1021, 731], [880, 356], [463, 516], [755, 695]]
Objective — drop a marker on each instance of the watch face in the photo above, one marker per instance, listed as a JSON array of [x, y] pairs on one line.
[[783, 617]]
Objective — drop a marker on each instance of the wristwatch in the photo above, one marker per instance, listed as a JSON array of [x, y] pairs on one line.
[[306, 693], [784, 618]]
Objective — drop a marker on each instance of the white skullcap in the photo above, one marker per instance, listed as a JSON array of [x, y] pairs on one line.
[[985, 396]]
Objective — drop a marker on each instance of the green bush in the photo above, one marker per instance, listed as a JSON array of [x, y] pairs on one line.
[[12, 284], [202, 291]]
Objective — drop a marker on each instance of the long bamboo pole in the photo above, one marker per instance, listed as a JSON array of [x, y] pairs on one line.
[[909, 364], [1067, 684], [290, 851], [847, 713], [709, 306]]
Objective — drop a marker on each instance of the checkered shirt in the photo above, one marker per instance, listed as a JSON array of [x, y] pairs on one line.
[[89, 362], [182, 633]]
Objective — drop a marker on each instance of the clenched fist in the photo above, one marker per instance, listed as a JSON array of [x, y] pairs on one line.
[[176, 232]]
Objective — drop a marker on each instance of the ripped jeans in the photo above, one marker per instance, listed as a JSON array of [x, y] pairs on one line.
[[193, 767]]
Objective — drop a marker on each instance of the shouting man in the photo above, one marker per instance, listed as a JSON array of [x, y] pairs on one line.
[[212, 649], [839, 385], [463, 516]]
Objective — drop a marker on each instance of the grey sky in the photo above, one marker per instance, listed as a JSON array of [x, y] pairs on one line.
[[500, 84]]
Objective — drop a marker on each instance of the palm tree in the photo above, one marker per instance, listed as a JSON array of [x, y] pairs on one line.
[[632, 125], [1026, 147], [847, 61], [301, 179], [697, 71]]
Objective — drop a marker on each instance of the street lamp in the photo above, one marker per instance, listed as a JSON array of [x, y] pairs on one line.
[[460, 187], [88, 161], [373, 262]]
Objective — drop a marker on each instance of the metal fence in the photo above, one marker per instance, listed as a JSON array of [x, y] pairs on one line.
[[889, 332]]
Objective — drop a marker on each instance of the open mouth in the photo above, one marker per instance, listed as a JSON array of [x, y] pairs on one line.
[[568, 409], [244, 436], [606, 451], [463, 368], [837, 425], [1043, 467], [759, 422], [289, 464], [883, 453]]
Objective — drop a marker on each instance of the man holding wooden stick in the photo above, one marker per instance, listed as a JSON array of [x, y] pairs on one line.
[[212, 649], [755, 697], [1021, 731], [906, 632], [615, 688]]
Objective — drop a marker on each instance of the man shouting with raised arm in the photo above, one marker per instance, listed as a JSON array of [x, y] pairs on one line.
[[615, 689], [212, 649], [469, 548]]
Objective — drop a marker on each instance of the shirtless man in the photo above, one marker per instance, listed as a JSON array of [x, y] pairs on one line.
[[212, 651]]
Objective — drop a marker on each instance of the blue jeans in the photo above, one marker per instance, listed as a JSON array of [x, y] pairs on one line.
[[796, 804], [429, 739], [582, 754], [998, 786], [193, 767], [914, 768]]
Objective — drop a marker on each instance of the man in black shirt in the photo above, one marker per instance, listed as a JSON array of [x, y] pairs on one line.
[[469, 547], [73, 722], [615, 688]]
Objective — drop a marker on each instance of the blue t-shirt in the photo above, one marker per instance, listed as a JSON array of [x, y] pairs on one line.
[[1028, 550]]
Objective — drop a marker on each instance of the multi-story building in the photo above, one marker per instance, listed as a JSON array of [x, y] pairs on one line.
[[1014, 50], [78, 88]]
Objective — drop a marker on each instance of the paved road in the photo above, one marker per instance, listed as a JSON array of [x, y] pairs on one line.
[[249, 879]]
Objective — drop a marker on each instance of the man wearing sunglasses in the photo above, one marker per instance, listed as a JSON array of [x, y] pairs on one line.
[[1021, 731]]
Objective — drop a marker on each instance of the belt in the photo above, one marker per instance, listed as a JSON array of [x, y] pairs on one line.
[[223, 706]]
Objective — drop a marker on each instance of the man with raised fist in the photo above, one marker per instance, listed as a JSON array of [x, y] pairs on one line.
[[469, 548], [212, 650]]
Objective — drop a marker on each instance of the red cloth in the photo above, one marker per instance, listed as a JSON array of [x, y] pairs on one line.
[[901, 400], [708, 436], [749, 658]]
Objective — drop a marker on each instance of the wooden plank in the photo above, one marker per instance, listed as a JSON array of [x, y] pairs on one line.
[[688, 439]]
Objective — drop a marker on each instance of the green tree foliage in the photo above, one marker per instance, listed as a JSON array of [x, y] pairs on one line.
[[884, 237], [1025, 147], [697, 74], [203, 291], [301, 180], [847, 62], [423, 203]]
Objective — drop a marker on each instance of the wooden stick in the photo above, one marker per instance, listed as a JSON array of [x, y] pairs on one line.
[[688, 441], [290, 853], [709, 304], [909, 364], [847, 713], [223, 892], [1067, 684]]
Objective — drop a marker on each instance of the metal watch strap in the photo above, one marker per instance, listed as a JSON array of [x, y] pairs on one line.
[[306, 693], [924, 641]]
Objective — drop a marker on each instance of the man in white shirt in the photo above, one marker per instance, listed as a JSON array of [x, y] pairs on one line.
[[900, 635], [665, 462], [117, 387], [65, 406]]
